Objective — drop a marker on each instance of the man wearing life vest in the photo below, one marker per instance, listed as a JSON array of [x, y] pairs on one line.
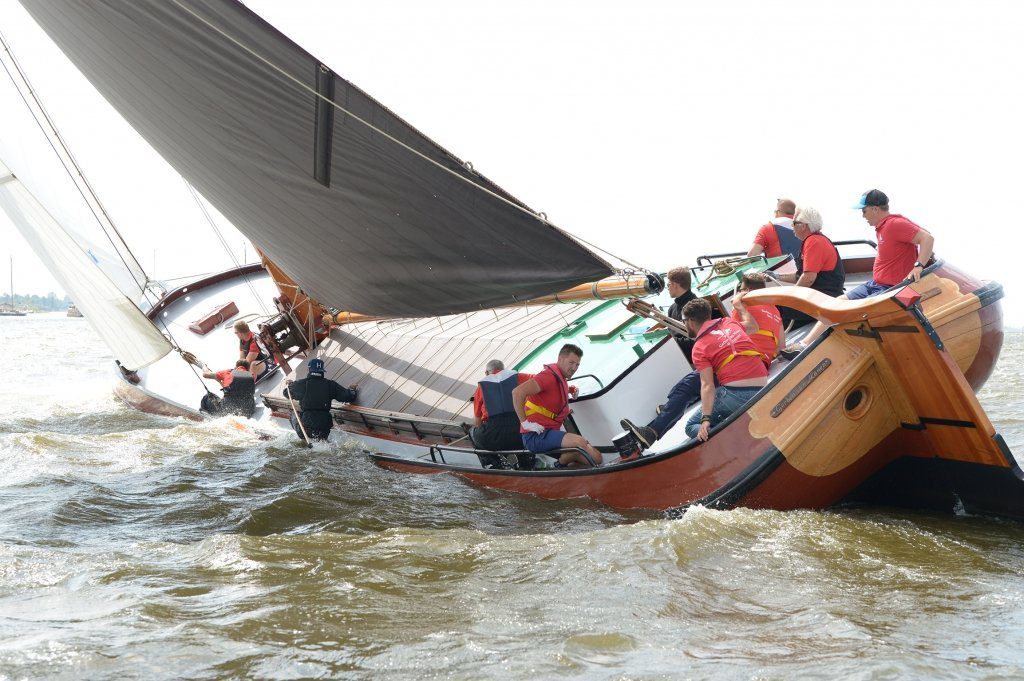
[[250, 350], [724, 351], [496, 425], [542, 404], [314, 395], [819, 266], [239, 391], [763, 323], [777, 238]]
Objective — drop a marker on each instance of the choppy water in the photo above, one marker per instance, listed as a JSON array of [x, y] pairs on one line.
[[134, 546]]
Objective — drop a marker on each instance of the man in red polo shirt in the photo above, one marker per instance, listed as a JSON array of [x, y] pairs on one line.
[[763, 323], [777, 238], [903, 247], [904, 250], [542, 404], [724, 351]]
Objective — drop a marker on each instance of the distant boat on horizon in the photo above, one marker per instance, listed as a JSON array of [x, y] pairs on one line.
[[8, 309], [73, 311]]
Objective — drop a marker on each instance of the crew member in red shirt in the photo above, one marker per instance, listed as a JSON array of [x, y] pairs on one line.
[[904, 250], [777, 238], [724, 351], [763, 323], [251, 351], [903, 247], [819, 266], [542, 404]]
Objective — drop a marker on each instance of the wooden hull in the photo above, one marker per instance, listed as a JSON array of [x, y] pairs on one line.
[[881, 409]]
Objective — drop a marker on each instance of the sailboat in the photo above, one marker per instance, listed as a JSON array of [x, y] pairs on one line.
[[8, 309], [405, 270]]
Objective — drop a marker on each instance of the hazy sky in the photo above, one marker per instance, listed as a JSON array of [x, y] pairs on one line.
[[658, 131]]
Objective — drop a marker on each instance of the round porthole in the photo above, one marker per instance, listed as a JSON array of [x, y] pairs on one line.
[[857, 402]]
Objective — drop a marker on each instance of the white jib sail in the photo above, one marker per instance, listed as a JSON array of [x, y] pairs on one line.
[[133, 339]]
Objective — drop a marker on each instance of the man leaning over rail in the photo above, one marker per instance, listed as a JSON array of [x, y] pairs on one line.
[[542, 404]]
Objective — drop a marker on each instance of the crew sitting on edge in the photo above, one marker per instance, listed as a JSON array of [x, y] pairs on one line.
[[723, 351], [904, 250], [496, 425], [761, 323], [819, 266], [777, 238], [542, 404]]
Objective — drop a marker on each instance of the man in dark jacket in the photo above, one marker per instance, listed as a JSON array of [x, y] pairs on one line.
[[239, 391], [314, 395]]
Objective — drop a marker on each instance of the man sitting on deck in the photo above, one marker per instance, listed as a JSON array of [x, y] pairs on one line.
[[314, 395], [495, 423], [764, 326], [250, 349], [819, 266], [723, 351], [239, 391], [542, 404], [777, 238]]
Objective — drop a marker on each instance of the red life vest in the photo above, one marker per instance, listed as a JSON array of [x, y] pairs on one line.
[[549, 407]]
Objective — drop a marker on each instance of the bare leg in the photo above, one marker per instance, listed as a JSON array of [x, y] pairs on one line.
[[256, 368], [573, 440]]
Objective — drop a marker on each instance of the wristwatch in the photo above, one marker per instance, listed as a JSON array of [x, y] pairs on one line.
[[918, 264]]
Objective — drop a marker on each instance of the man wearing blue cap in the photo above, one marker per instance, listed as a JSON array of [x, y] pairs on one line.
[[904, 250], [314, 394], [903, 247]]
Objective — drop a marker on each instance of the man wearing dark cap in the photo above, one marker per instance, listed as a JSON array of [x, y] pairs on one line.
[[903, 247], [904, 250]]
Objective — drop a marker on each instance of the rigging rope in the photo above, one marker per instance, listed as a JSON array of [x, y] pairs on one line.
[[224, 243], [51, 133]]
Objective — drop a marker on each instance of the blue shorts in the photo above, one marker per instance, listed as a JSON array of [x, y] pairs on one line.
[[538, 443], [866, 290]]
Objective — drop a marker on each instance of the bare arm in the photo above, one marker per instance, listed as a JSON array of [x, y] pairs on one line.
[[807, 278], [519, 395], [746, 319], [707, 400], [755, 249], [925, 243]]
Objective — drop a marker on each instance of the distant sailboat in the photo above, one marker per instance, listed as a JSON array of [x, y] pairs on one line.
[[8, 309]]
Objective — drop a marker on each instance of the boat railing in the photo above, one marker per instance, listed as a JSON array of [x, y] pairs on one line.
[[382, 420], [436, 453], [708, 260]]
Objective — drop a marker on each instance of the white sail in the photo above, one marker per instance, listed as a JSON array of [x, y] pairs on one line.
[[130, 335]]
